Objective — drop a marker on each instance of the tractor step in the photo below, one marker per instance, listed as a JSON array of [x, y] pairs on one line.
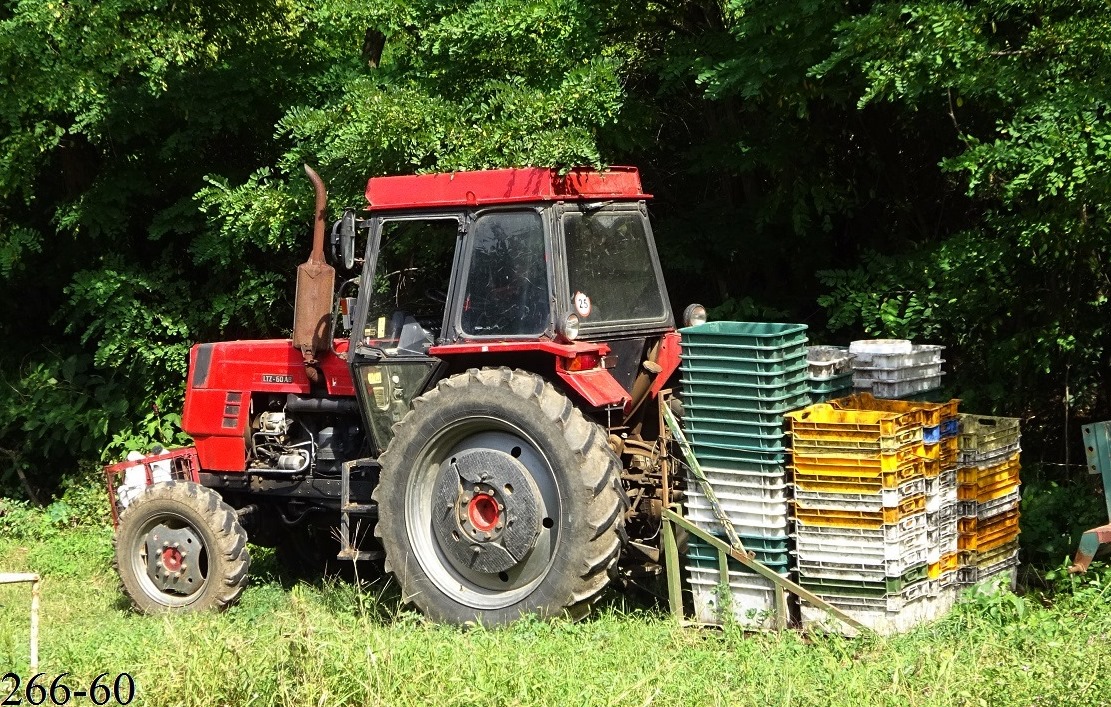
[[354, 555], [349, 549], [360, 508]]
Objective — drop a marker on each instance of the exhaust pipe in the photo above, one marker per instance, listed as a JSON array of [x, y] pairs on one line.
[[316, 283]]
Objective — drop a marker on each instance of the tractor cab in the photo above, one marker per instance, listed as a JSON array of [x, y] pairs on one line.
[[528, 268]]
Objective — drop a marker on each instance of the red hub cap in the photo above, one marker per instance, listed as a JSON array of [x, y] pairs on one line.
[[483, 512], [171, 559]]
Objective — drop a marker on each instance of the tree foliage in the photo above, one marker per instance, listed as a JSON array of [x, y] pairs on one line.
[[930, 169]]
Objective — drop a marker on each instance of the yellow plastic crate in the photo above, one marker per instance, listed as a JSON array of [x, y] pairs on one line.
[[982, 494], [949, 448], [991, 475], [872, 520], [818, 446], [838, 435], [841, 484], [932, 469], [908, 454], [907, 507], [845, 479], [947, 563], [823, 421], [983, 536], [929, 414]]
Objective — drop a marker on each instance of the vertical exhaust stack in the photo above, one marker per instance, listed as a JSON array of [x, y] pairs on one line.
[[316, 283]]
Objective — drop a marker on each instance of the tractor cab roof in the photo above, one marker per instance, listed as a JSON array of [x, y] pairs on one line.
[[502, 186]]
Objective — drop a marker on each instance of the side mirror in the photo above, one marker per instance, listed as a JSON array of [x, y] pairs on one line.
[[342, 241], [347, 239]]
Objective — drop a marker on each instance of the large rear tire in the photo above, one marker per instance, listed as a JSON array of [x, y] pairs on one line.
[[180, 547], [498, 499]]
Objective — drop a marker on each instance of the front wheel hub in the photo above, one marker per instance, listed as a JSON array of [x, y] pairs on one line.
[[486, 510], [175, 559]]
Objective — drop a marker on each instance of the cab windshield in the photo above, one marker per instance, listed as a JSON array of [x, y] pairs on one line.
[[610, 268]]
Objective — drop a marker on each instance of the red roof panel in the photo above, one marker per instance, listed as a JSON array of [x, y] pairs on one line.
[[501, 186]]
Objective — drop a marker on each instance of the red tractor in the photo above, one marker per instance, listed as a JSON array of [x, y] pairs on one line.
[[479, 409]]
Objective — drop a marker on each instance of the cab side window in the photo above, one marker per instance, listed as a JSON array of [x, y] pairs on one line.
[[411, 280], [507, 291]]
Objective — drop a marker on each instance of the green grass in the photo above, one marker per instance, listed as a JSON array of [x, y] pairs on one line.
[[329, 645]]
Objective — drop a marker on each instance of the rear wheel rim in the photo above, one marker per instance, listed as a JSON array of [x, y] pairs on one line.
[[478, 590]]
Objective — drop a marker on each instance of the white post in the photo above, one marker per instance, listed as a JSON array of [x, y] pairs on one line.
[[33, 579]]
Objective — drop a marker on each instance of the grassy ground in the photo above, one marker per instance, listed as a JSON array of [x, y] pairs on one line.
[[327, 645]]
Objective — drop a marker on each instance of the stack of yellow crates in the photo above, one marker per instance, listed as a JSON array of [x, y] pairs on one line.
[[989, 494], [870, 505]]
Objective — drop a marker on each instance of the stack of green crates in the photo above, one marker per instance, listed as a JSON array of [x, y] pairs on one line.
[[738, 379]]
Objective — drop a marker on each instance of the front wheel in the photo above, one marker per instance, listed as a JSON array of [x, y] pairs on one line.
[[497, 499], [179, 546]]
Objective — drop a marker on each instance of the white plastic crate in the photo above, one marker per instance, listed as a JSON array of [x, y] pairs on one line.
[[770, 523], [982, 460], [866, 376], [893, 614], [751, 598], [946, 480], [998, 506], [855, 567], [888, 498], [941, 541], [900, 353], [890, 534], [741, 504], [742, 486], [825, 362], [976, 575], [843, 550], [902, 389], [937, 502]]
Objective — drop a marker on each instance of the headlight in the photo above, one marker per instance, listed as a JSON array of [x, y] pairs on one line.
[[570, 328], [694, 315]]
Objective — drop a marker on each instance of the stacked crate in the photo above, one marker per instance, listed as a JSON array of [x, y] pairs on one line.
[[869, 509], [988, 493], [830, 372], [895, 368], [738, 378], [940, 425]]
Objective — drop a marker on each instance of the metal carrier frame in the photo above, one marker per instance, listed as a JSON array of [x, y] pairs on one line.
[[185, 465], [672, 516]]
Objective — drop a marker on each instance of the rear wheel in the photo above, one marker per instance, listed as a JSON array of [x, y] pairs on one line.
[[498, 499], [179, 546]]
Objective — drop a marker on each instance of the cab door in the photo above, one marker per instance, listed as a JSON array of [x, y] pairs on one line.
[[404, 297]]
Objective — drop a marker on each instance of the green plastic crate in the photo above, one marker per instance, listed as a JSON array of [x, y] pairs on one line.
[[774, 555], [713, 360], [841, 587], [767, 443], [722, 376], [700, 402], [765, 335], [717, 452], [797, 386], [694, 423], [711, 413]]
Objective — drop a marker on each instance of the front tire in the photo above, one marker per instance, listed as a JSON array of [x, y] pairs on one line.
[[180, 547], [498, 499]]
